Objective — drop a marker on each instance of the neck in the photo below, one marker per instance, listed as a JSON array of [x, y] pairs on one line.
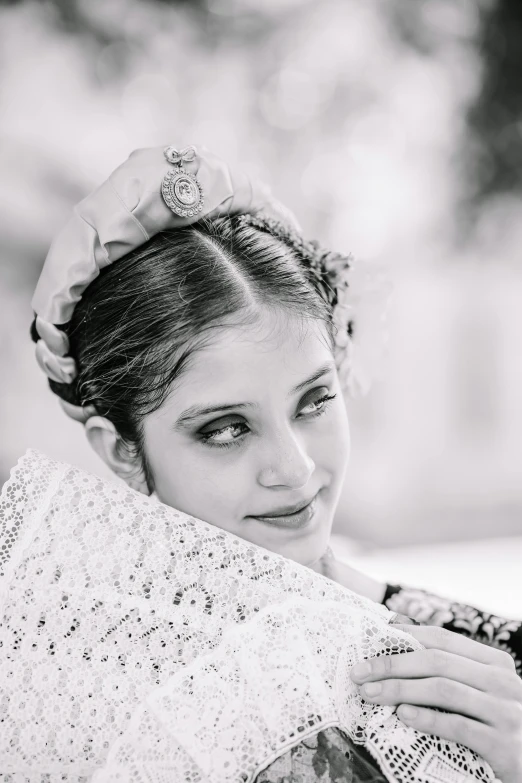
[[349, 577]]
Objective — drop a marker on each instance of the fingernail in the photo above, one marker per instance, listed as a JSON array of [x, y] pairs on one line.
[[372, 688], [361, 671], [408, 713]]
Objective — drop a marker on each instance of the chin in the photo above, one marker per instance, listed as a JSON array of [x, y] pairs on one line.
[[310, 548]]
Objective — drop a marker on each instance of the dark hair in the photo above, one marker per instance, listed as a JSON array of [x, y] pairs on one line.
[[139, 321]]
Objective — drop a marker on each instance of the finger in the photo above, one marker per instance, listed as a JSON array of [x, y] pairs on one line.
[[477, 736], [433, 636], [437, 692], [438, 663]]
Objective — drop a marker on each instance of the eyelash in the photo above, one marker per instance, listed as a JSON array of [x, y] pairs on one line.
[[206, 437]]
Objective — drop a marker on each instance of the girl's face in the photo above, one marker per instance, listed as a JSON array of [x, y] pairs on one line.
[[254, 437]]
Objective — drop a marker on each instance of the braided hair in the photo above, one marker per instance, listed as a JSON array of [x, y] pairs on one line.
[[137, 323]]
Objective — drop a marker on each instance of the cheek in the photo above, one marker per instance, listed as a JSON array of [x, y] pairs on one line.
[[333, 445], [344, 435], [189, 479]]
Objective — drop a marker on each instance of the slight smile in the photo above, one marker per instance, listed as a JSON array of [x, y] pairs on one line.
[[296, 516]]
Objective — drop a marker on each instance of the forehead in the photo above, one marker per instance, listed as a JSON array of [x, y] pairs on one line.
[[276, 350]]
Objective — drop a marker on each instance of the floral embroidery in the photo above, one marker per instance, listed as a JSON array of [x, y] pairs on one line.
[[421, 606], [430, 609]]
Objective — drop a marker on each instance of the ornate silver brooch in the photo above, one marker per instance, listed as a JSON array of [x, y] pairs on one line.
[[181, 191]]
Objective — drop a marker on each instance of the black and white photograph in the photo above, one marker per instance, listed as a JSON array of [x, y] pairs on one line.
[[261, 391]]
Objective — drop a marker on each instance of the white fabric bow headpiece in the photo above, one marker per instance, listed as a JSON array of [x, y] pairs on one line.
[[138, 644]]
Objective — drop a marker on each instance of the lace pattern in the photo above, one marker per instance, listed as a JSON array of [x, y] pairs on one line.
[[140, 645]]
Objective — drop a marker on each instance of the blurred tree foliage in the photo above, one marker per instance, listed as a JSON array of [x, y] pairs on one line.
[[496, 118], [493, 157], [493, 160]]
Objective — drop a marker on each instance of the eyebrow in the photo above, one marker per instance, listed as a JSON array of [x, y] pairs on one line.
[[197, 411], [318, 374]]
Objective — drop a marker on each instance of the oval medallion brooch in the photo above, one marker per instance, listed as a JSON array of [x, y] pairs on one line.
[[181, 191]]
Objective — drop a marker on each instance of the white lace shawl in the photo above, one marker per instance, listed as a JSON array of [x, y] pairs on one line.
[[140, 645]]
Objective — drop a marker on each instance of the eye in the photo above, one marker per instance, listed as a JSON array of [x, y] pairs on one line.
[[317, 406], [227, 434]]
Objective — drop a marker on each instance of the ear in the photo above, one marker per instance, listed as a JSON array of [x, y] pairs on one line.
[[109, 446]]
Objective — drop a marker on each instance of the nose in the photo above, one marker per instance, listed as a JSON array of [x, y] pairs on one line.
[[286, 462]]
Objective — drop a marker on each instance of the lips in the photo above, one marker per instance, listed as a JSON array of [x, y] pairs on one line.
[[296, 517], [285, 511]]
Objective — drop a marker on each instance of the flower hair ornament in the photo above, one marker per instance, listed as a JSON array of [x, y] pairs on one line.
[[343, 285], [159, 189]]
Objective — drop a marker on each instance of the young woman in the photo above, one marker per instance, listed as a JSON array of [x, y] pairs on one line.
[[206, 346]]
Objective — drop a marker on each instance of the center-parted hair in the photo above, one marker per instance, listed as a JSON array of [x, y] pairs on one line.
[[137, 324]]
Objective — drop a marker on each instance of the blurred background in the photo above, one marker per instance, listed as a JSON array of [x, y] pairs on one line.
[[393, 129]]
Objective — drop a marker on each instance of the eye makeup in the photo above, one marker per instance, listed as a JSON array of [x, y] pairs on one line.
[[209, 435], [231, 424], [191, 415]]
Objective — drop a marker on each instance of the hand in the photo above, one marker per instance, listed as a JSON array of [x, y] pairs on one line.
[[477, 684]]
